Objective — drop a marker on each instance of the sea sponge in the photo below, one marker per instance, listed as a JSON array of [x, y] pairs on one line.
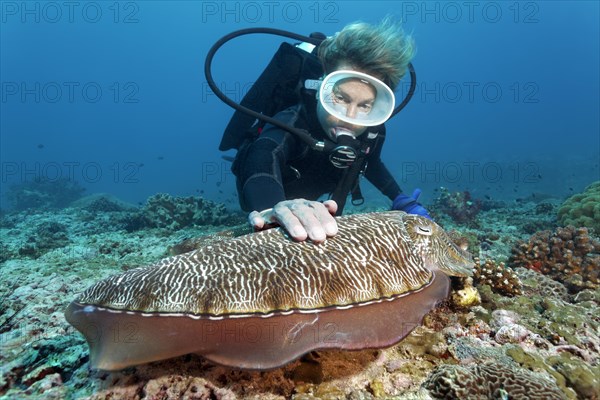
[[501, 279], [490, 380], [569, 255], [466, 297], [582, 209]]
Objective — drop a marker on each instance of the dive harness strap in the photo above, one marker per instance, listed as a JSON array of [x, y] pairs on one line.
[[350, 182]]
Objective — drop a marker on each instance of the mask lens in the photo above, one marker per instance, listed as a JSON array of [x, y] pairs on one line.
[[356, 98]]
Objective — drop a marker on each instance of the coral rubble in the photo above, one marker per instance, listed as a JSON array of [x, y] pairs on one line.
[[48, 236]]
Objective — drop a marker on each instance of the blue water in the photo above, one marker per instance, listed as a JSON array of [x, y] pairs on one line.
[[114, 95]]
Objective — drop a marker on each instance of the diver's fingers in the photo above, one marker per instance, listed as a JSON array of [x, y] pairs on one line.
[[263, 219], [289, 220], [309, 215], [331, 206], [256, 220], [306, 219], [324, 213], [301, 218]]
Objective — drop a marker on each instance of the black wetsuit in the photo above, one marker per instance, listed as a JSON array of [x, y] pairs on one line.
[[279, 166]]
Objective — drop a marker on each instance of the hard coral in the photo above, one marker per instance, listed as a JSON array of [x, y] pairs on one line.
[[165, 211], [490, 380], [582, 209], [459, 206], [44, 193], [568, 255], [501, 279]]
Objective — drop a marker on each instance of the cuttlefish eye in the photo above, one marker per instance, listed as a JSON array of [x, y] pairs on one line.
[[424, 230]]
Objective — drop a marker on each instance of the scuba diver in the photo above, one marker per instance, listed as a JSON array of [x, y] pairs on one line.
[[281, 176]]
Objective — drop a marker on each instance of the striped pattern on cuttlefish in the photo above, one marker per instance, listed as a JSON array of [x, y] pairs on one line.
[[262, 300]]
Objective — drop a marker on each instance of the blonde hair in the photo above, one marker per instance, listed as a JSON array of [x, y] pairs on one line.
[[382, 50]]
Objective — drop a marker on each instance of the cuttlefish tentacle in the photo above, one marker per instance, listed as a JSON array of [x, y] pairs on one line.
[[262, 300]]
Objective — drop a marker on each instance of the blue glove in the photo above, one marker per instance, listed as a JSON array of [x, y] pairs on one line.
[[410, 205]]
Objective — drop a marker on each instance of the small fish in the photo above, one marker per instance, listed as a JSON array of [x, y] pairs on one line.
[[160, 158], [40, 146]]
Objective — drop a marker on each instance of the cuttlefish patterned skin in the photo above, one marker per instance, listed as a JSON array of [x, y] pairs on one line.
[[261, 300]]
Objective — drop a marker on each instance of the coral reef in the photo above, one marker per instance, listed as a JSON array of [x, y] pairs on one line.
[[489, 381], [459, 206], [582, 209], [501, 279], [546, 332], [569, 255], [44, 193], [102, 202], [48, 236], [173, 213]]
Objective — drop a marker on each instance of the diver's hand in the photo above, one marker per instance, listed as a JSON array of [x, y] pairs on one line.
[[301, 218], [410, 204]]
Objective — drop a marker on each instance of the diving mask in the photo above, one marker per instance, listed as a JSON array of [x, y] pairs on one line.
[[356, 98]]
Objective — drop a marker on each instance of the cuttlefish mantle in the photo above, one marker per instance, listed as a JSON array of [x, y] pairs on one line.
[[261, 300]]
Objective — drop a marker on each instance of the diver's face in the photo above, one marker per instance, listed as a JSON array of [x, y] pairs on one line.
[[350, 97]]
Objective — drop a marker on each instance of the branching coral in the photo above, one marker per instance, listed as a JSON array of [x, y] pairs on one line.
[[490, 380], [582, 209], [501, 279], [564, 254]]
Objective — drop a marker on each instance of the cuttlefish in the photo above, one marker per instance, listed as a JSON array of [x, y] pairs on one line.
[[261, 300]]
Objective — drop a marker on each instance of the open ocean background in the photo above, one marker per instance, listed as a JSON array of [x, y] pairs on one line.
[[113, 94]]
